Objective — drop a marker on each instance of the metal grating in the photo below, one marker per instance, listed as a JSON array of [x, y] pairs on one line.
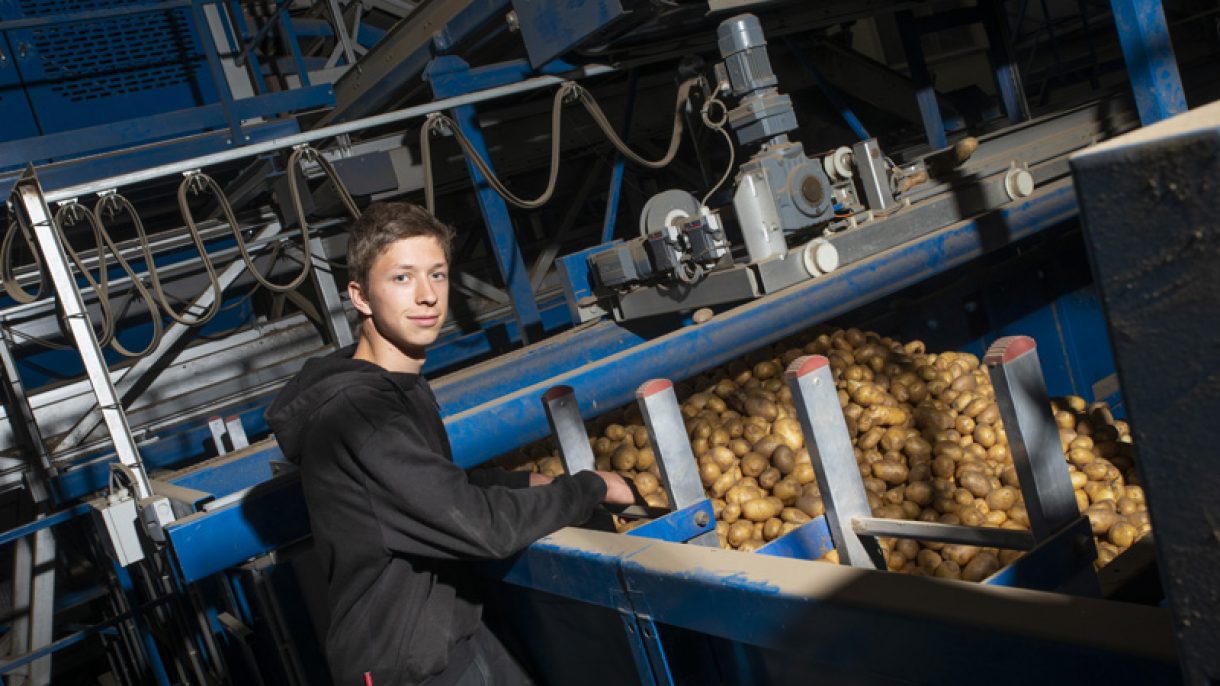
[[116, 56]]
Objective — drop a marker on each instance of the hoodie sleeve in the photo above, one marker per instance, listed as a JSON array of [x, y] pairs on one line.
[[494, 476], [425, 505]]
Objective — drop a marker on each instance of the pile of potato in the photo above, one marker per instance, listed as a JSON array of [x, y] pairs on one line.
[[928, 440]]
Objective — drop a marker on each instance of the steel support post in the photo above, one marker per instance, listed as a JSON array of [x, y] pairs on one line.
[[1151, 64], [500, 232], [834, 461], [925, 93], [667, 434], [1163, 313], [563, 414], [42, 605], [1003, 61], [1033, 437], [217, 71], [68, 296], [329, 289]]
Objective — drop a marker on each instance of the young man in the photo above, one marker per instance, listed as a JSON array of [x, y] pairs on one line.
[[394, 519]]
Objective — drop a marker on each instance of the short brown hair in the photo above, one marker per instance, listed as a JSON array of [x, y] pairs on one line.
[[381, 224]]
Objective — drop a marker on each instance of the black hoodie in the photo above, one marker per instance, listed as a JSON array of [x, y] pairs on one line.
[[394, 518]]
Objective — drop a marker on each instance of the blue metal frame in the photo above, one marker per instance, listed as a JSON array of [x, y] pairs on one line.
[[615, 193], [925, 93], [1151, 65], [679, 526], [450, 76]]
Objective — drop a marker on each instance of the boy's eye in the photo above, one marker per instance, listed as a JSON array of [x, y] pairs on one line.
[[440, 276], [401, 277]]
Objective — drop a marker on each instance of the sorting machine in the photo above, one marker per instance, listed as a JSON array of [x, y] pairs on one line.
[[161, 471]]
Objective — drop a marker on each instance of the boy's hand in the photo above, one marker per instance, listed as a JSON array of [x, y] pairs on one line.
[[537, 479], [617, 490]]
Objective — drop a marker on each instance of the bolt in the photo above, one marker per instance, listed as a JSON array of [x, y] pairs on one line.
[[701, 518]]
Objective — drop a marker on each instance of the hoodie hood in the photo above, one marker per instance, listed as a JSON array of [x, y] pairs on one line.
[[317, 383]]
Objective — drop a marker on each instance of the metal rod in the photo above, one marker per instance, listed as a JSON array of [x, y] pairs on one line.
[[945, 533], [404, 114], [667, 433], [68, 295], [1033, 437], [834, 462]]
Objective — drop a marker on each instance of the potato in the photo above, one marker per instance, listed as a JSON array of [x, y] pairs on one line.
[[753, 464], [723, 457], [760, 509], [771, 528], [803, 472], [788, 430], [890, 472], [975, 483], [647, 483], [1123, 534], [981, 566], [811, 505], [1002, 498], [740, 531], [948, 570], [1101, 518]]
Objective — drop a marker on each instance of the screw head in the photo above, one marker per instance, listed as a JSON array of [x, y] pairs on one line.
[[702, 519]]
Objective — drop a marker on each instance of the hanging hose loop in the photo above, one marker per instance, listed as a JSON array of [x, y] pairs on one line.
[[301, 154], [69, 214], [675, 139], [568, 91], [12, 287], [110, 203]]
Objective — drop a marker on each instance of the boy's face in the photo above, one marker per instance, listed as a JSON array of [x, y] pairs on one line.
[[408, 293]]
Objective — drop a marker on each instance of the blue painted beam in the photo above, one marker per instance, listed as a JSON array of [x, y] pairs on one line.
[[485, 431], [925, 93], [273, 514], [450, 76], [1151, 64]]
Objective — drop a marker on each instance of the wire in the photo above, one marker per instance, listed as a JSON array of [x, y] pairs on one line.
[[567, 90], [718, 125], [301, 153], [67, 215], [136, 283], [11, 285]]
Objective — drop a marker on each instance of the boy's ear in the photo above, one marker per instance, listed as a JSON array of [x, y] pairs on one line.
[[359, 301]]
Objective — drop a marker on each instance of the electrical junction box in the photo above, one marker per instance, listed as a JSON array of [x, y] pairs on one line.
[[117, 518]]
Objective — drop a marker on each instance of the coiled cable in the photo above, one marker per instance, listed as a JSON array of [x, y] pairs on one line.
[[11, 286], [567, 90], [154, 312]]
